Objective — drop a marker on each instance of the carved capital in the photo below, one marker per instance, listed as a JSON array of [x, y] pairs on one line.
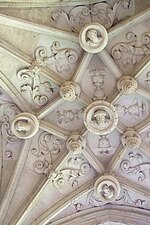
[[25, 125], [93, 38], [69, 91], [127, 85], [76, 143], [131, 139], [100, 117], [107, 188]]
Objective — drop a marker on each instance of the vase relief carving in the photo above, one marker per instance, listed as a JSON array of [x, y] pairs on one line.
[[137, 109], [97, 78]]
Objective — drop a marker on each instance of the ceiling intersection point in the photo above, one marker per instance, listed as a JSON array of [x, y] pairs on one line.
[[127, 85], [93, 38], [131, 139], [25, 125], [76, 143], [100, 117], [69, 91], [107, 188]]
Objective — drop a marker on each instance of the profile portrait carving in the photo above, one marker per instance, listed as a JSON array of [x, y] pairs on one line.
[[93, 38], [25, 125]]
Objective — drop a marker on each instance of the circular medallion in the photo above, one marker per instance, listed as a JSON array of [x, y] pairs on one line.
[[131, 139], [127, 85], [25, 125], [100, 117], [107, 188], [69, 91], [76, 143], [93, 38]]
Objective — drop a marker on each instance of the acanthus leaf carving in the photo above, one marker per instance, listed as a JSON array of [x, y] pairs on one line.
[[134, 165], [126, 198], [33, 87], [77, 168], [48, 147], [101, 13], [8, 112], [129, 51]]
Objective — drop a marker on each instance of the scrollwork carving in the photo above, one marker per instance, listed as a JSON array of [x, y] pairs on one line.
[[126, 198], [48, 147], [62, 58], [77, 168], [134, 165], [129, 51], [101, 13]]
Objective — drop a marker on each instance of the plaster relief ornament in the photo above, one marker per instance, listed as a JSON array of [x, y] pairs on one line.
[[93, 38], [107, 188], [25, 125], [130, 52], [102, 13], [97, 78], [131, 139], [69, 91], [127, 85], [100, 117], [76, 143]]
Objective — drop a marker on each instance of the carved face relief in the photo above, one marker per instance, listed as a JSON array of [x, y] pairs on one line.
[[25, 125], [93, 38], [100, 117]]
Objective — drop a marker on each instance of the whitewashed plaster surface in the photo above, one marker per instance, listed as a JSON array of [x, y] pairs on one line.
[[75, 139]]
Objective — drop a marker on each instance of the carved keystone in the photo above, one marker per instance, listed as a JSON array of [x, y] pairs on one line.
[[131, 139], [107, 188], [69, 91], [93, 38], [25, 125], [76, 143], [127, 85], [100, 117]]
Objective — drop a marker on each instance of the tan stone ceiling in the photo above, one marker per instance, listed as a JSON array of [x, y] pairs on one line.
[[75, 113]]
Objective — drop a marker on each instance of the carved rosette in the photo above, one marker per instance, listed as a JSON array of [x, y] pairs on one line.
[[69, 91], [127, 85], [76, 143], [25, 125], [107, 188], [93, 38], [100, 117], [131, 139]]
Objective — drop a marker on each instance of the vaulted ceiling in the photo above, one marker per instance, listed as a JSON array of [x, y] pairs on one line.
[[75, 112]]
